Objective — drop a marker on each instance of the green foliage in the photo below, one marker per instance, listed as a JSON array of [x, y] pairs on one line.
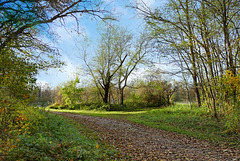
[[16, 76], [151, 93], [51, 137], [98, 106], [71, 93], [134, 101], [22, 56], [233, 121], [177, 30]]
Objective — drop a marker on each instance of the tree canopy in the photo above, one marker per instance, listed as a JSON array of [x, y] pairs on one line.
[[22, 24]]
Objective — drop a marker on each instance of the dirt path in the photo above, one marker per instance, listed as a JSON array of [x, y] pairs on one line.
[[144, 143]]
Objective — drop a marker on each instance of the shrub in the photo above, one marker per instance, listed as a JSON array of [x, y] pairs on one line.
[[105, 107], [233, 121], [71, 93]]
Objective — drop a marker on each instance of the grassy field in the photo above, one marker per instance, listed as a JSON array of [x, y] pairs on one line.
[[178, 118]]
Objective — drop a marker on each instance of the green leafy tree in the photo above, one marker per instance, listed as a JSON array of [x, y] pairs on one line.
[[71, 93]]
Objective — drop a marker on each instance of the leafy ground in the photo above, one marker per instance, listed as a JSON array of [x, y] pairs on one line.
[[52, 137], [202, 139]]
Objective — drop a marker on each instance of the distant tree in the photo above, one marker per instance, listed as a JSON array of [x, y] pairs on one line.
[[136, 54], [91, 94], [106, 63], [71, 93], [116, 58], [151, 89]]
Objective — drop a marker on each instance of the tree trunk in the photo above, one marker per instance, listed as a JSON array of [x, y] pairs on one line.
[[106, 93], [196, 89], [193, 56], [121, 96]]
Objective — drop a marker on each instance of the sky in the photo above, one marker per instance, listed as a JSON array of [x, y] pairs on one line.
[[69, 41]]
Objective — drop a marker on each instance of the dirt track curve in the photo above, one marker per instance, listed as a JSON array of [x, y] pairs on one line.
[[144, 143]]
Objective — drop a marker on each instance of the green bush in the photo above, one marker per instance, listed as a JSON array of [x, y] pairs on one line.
[[116, 107], [105, 107], [232, 121], [54, 106], [63, 107]]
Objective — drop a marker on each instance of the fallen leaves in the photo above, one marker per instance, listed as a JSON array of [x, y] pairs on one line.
[[138, 142]]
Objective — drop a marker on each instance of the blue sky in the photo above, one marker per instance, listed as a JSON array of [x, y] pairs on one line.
[[68, 41]]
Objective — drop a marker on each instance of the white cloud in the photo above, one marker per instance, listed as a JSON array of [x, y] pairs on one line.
[[148, 3], [55, 77], [166, 71], [67, 30], [145, 4], [119, 10], [69, 69], [41, 83], [108, 1]]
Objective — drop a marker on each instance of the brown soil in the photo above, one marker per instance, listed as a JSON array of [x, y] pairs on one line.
[[140, 142]]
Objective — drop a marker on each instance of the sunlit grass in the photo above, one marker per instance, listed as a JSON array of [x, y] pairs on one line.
[[194, 122], [102, 113], [180, 118]]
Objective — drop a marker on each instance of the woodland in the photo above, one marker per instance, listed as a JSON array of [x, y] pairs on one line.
[[200, 37]]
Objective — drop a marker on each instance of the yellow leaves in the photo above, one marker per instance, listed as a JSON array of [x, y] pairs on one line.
[[18, 119], [230, 81], [21, 118], [97, 146]]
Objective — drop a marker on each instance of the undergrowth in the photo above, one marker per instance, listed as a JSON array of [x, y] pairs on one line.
[[51, 137]]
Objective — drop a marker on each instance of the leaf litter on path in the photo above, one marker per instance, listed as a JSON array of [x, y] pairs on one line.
[[139, 142]]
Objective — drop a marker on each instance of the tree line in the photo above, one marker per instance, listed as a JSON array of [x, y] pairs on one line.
[[202, 37], [149, 90]]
